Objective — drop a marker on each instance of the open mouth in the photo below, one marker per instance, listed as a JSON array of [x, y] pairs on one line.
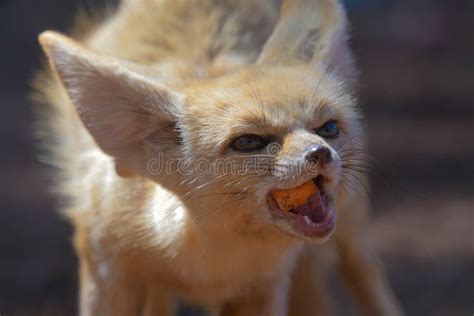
[[305, 208]]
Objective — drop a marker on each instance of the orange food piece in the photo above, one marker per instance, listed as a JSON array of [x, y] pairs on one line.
[[288, 199]]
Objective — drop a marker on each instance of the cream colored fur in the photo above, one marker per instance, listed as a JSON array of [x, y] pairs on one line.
[[180, 80]]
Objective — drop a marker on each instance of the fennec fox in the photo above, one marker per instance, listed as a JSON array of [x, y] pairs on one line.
[[204, 149]]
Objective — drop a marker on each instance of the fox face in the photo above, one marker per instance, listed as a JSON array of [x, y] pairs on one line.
[[263, 129], [272, 140]]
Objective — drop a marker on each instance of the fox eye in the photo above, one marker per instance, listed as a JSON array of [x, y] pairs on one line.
[[248, 143], [328, 130]]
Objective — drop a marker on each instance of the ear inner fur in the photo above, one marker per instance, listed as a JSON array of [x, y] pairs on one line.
[[311, 31], [113, 102]]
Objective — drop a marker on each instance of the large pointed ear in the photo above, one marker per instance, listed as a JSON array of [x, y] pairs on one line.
[[310, 31], [121, 109]]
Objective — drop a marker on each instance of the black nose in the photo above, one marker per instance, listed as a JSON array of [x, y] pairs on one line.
[[319, 154]]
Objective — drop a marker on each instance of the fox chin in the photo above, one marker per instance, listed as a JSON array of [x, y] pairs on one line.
[[211, 152]]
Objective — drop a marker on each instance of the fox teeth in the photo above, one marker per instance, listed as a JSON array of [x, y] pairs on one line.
[[308, 221]]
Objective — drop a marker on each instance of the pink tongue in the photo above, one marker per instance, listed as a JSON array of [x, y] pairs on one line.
[[314, 208]]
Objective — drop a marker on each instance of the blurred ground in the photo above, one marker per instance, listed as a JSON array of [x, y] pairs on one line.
[[418, 94]]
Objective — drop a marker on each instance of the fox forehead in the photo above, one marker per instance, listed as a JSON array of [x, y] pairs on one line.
[[267, 101]]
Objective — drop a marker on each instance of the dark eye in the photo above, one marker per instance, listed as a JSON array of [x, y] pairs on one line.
[[328, 130], [247, 143]]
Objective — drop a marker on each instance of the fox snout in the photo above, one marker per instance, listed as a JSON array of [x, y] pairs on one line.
[[309, 153]]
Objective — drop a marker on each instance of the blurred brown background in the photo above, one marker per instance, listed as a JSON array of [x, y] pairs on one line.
[[417, 63]]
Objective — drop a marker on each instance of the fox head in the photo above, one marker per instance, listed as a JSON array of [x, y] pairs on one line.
[[228, 143]]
